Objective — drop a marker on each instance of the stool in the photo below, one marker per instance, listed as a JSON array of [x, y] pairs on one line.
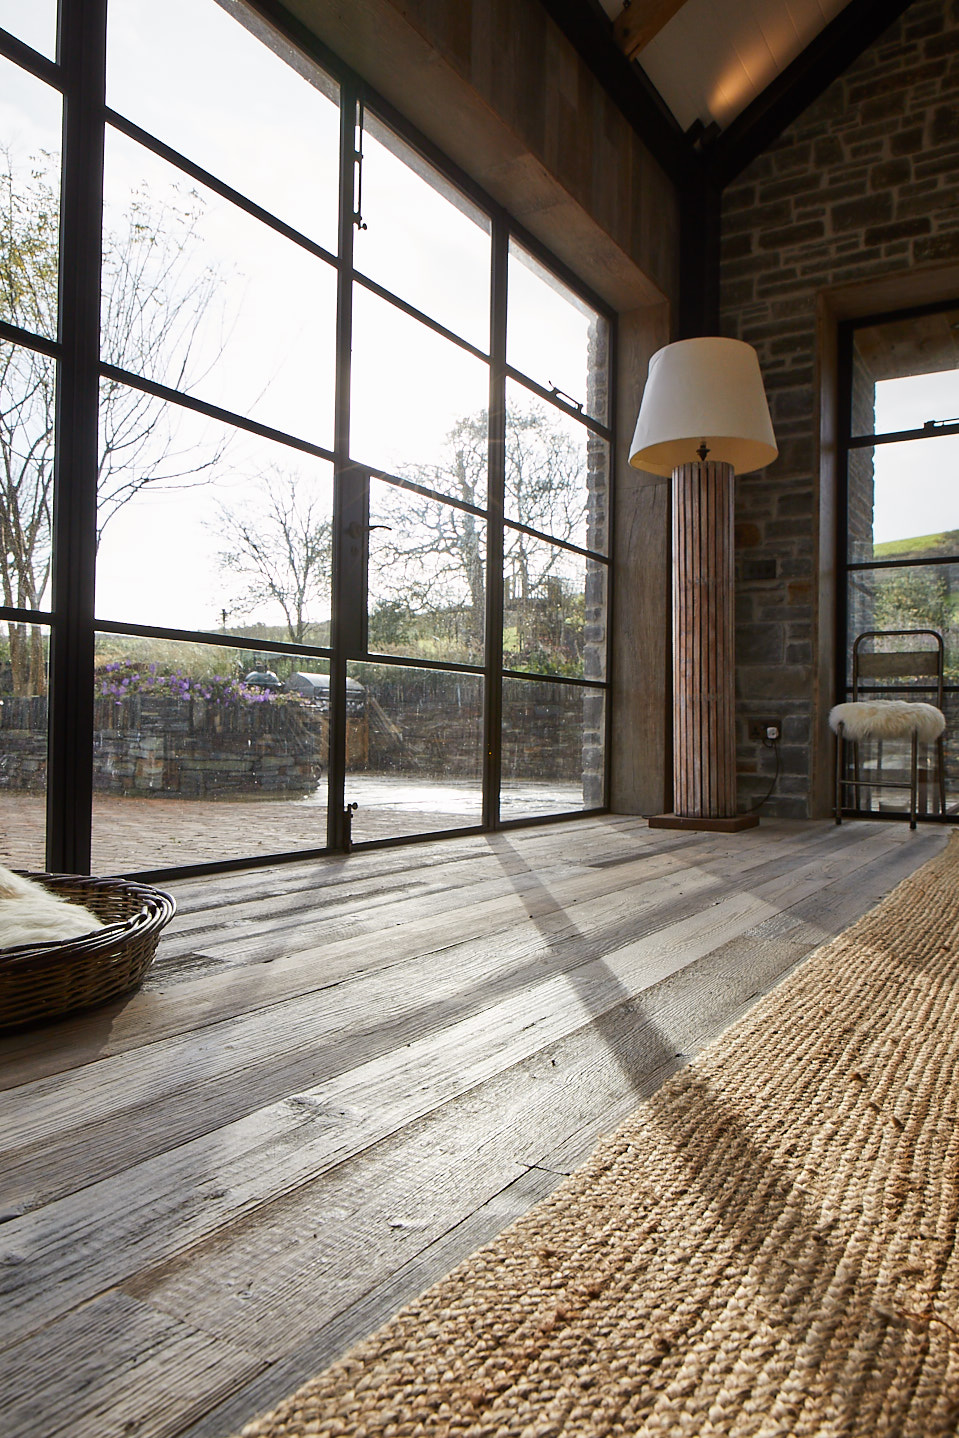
[[881, 719]]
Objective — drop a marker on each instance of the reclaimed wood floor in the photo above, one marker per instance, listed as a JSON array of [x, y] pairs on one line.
[[343, 1076]]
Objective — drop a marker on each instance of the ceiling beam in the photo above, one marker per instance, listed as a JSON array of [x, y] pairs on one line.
[[834, 49], [591, 35], [640, 22]]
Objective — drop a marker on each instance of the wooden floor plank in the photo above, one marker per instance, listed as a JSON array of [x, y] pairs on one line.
[[103, 1369], [178, 1153], [137, 1106], [293, 970], [375, 1306]]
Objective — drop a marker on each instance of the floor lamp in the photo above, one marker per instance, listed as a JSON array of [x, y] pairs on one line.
[[703, 419]]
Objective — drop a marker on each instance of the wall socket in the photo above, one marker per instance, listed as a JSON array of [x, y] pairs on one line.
[[765, 731]]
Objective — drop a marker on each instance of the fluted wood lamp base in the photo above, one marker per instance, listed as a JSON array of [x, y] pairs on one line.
[[704, 666]]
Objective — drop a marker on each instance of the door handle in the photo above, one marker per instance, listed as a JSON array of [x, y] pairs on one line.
[[355, 529]]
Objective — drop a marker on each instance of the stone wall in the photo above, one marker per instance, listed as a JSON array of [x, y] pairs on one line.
[[161, 747], [421, 724], [863, 186]]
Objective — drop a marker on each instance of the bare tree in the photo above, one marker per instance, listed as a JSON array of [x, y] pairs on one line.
[[155, 296], [433, 562], [280, 551]]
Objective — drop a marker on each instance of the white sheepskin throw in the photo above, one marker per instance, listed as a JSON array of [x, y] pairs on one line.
[[888, 719], [31, 914]]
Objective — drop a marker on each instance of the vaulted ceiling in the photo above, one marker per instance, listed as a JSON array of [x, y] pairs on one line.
[[708, 61], [713, 82]]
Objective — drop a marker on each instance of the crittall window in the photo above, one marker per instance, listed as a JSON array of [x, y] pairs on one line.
[[899, 540], [306, 447]]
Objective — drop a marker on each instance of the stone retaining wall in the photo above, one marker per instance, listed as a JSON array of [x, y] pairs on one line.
[[156, 745]]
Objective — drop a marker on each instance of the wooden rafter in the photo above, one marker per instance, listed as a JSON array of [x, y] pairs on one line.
[[641, 21]]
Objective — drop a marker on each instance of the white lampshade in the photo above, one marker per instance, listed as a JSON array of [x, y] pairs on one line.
[[698, 391]]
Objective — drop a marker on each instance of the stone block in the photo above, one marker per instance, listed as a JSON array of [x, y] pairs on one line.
[[890, 174], [772, 685], [748, 535], [791, 155], [758, 217], [939, 247], [898, 230], [735, 246], [760, 644], [857, 214], [942, 45], [796, 729], [757, 571], [902, 80], [828, 151], [884, 108], [798, 234], [739, 197], [737, 293], [944, 125], [907, 142]]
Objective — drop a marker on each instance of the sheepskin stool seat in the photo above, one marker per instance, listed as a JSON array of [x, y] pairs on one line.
[[881, 719]]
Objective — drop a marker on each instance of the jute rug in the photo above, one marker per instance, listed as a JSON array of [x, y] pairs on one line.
[[768, 1246]]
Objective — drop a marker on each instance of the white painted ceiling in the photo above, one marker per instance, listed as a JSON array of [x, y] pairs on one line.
[[715, 56]]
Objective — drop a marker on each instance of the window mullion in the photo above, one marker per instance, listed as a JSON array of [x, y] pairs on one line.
[[351, 490], [70, 774], [496, 500]]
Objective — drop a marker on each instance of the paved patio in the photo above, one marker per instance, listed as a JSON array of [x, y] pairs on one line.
[[131, 835]]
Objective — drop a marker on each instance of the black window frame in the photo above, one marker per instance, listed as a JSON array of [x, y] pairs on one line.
[[849, 442], [80, 76]]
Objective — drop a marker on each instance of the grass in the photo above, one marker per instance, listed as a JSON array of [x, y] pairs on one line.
[[947, 542]]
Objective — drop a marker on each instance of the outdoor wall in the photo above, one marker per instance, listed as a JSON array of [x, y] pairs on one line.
[[427, 725], [863, 188]]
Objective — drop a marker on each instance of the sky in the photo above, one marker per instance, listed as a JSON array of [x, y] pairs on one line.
[[917, 483], [265, 344]]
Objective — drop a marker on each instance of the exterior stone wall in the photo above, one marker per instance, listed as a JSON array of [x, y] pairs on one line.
[[151, 746], [864, 185]]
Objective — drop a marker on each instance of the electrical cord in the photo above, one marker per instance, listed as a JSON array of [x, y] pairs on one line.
[[768, 744]]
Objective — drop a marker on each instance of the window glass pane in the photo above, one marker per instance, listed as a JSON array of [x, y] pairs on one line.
[[906, 374], [553, 745], [199, 755], [903, 502], [419, 402], [423, 769], [242, 525], [201, 297], [422, 238], [554, 605], [24, 658], [555, 337], [28, 386], [189, 73], [557, 471], [33, 21], [427, 577], [922, 596], [30, 121]]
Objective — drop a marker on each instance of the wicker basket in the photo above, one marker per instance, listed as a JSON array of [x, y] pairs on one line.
[[43, 981]]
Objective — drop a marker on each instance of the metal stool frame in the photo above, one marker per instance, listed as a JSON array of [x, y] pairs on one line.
[[886, 664]]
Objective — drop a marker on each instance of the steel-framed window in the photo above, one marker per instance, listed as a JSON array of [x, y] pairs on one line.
[[80, 77], [872, 592]]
